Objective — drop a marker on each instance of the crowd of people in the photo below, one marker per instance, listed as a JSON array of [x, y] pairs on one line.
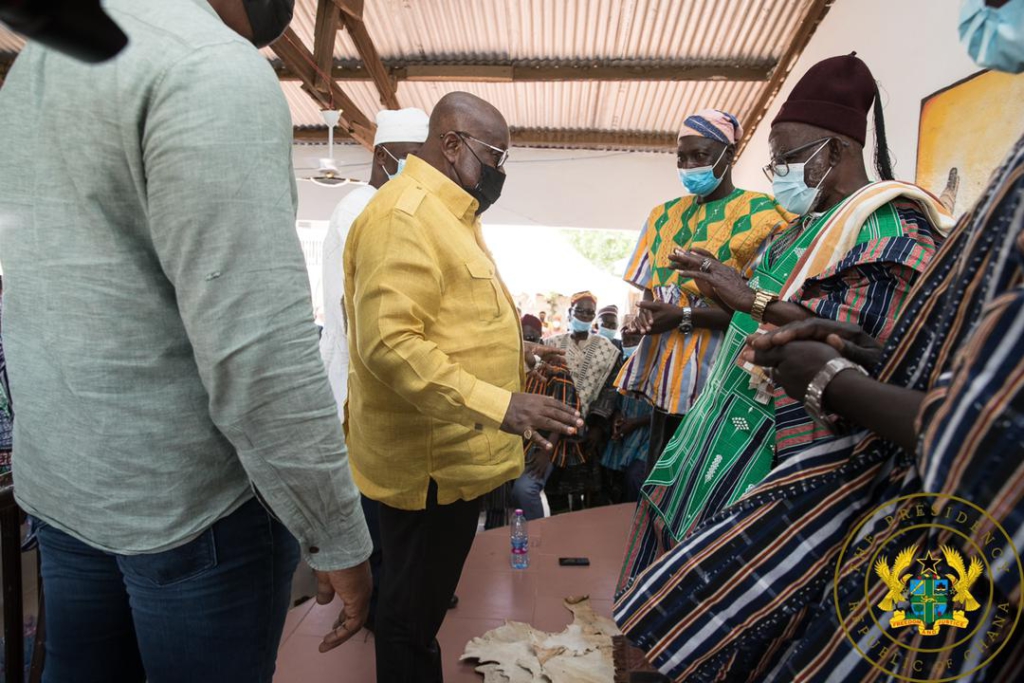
[[797, 360]]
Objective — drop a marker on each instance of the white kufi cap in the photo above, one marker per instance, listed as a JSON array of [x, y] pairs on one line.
[[401, 125]]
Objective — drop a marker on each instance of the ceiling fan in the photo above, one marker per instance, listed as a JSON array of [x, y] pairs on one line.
[[327, 173]]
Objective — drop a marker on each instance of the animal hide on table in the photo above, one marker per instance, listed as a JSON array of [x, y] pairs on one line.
[[519, 653]]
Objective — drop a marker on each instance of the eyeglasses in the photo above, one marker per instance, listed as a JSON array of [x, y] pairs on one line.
[[500, 155], [780, 167]]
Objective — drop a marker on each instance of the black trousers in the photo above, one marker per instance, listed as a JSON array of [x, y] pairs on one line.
[[663, 428], [371, 512], [424, 551]]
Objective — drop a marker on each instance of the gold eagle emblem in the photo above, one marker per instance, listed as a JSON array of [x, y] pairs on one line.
[[892, 578], [967, 577]]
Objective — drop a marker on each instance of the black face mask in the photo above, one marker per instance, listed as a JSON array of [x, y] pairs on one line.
[[269, 19], [79, 28], [488, 189]]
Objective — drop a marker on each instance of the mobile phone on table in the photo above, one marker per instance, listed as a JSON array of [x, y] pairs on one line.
[[574, 561]]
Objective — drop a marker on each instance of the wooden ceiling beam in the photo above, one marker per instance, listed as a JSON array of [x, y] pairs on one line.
[[325, 34], [6, 62], [553, 138], [812, 18], [352, 8], [533, 72], [300, 61], [378, 73]]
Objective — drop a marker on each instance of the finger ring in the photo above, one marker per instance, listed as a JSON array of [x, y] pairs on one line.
[[528, 434], [706, 265]]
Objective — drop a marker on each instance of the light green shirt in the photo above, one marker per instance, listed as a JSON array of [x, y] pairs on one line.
[[157, 316]]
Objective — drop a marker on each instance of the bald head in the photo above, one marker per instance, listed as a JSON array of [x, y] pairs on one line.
[[467, 141], [461, 111]]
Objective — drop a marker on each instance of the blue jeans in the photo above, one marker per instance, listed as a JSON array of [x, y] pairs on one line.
[[210, 610], [526, 492]]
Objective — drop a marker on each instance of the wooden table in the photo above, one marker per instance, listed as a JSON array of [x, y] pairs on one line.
[[490, 592]]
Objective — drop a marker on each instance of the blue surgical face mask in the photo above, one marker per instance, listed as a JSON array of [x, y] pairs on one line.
[[793, 193], [577, 325], [400, 162], [627, 352], [701, 181], [606, 332], [994, 36]]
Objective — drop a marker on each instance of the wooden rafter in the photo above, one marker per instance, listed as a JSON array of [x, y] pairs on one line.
[[523, 72], [351, 16], [353, 8], [554, 138], [325, 33], [298, 59], [6, 61], [809, 23]]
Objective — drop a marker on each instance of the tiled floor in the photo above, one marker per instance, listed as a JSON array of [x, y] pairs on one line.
[[489, 593]]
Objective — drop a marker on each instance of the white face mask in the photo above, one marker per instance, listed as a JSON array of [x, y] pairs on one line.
[[577, 325]]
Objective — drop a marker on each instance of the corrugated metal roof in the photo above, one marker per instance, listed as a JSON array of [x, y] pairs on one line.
[[732, 32], [10, 41], [740, 33], [649, 106]]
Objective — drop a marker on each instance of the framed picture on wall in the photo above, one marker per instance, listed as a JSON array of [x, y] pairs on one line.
[[966, 130]]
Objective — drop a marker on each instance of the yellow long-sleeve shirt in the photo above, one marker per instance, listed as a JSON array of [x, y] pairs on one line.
[[435, 347]]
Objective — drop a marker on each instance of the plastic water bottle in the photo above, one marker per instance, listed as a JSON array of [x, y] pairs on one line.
[[520, 542]]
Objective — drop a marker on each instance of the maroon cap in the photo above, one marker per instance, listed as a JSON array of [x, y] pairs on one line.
[[532, 321], [835, 94]]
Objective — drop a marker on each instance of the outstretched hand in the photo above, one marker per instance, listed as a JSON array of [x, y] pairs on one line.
[[530, 414]]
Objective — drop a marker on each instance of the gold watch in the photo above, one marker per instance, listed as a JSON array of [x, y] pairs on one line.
[[761, 301]]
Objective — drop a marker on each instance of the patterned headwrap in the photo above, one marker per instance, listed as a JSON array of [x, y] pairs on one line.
[[713, 124], [612, 309], [580, 296]]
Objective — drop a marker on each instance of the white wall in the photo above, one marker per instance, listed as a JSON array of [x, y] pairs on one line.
[[911, 47], [556, 188]]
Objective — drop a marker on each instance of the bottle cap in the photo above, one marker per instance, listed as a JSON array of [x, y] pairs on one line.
[[519, 512]]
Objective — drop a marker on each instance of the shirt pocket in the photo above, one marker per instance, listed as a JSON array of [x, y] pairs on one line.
[[484, 289]]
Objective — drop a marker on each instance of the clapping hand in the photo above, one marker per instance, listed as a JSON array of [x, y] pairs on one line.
[[848, 339], [793, 365], [717, 281], [655, 317]]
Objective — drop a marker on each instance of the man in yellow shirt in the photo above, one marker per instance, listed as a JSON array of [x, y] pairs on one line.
[[436, 374]]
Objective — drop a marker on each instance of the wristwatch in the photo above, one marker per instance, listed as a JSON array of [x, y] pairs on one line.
[[761, 300], [686, 324], [816, 389]]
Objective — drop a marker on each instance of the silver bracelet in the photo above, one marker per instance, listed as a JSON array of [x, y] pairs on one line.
[[816, 389], [686, 325]]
